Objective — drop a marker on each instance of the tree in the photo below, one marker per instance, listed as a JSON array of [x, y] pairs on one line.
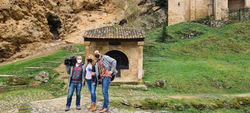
[[164, 5], [163, 36]]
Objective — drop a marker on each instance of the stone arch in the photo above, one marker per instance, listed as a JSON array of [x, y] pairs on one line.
[[121, 58]]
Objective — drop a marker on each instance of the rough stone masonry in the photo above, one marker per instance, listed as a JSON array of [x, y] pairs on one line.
[[186, 10]]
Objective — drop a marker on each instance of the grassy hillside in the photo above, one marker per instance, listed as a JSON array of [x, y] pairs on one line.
[[212, 60], [195, 59], [32, 66]]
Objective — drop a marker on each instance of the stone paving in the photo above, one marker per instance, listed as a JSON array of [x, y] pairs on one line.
[[58, 106]]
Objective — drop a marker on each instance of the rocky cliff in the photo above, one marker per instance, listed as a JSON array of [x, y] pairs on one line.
[[29, 26]]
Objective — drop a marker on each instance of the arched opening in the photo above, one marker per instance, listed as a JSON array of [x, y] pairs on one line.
[[236, 4], [122, 60], [54, 23]]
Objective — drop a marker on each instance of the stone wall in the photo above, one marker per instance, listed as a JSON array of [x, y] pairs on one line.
[[187, 10], [133, 50], [176, 11]]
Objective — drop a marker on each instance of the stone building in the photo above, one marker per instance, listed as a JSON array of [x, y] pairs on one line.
[[123, 44], [186, 10]]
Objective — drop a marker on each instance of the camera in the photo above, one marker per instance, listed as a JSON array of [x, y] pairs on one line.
[[71, 61]]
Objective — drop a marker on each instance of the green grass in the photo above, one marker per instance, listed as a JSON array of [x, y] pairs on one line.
[[203, 105], [219, 55], [52, 89], [19, 67], [224, 110], [49, 62]]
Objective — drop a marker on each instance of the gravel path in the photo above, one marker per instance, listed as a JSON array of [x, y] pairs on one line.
[[10, 102], [58, 105]]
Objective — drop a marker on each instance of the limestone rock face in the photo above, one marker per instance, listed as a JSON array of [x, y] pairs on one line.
[[24, 23], [21, 22], [4, 4], [25, 29]]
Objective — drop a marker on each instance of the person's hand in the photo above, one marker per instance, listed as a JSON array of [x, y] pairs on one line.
[[94, 84], [110, 72], [93, 73]]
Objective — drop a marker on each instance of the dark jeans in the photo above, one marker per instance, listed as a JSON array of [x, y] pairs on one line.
[[72, 87], [105, 88], [92, 89]]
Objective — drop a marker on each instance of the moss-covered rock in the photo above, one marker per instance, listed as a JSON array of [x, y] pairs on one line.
[[199, 105], [234, 103], [116, 103], [24, 108], [151, 104], [16, 80], [219, 103], [136, 104], [179, 107], [244, 100]]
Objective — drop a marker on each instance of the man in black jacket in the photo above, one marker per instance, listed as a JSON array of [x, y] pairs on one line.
[[75, 81]]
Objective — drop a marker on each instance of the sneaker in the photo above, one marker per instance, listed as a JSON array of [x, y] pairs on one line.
[[78, 107], [67, 108]]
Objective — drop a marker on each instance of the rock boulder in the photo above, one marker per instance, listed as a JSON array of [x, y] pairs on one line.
[[160, 83], [16, 80], [42, 76]]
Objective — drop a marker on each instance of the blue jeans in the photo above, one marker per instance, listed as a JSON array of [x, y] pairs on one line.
[[92, 89], [72, 87], [105, 90]]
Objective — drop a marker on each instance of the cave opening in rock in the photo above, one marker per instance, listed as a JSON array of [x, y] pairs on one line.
[[54, 23]]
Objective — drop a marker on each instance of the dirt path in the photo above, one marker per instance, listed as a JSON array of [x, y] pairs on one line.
[[58, 105]]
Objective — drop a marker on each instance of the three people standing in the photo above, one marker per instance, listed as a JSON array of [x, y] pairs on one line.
[[94, 73]]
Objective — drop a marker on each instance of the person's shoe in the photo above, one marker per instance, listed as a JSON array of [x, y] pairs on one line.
[[104, 110], [90, 107], [93, 106], [78, 107], [101, 109], [67, 109]]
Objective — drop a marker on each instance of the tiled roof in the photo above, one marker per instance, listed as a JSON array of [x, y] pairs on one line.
[[112, 32]]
